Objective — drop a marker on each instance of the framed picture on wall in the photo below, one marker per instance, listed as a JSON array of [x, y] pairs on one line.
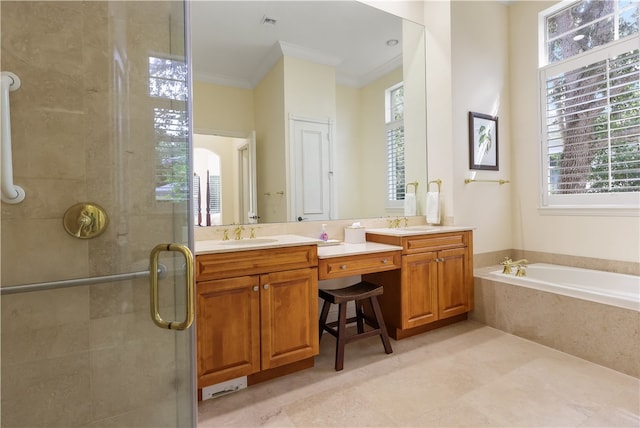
[[483, 141]]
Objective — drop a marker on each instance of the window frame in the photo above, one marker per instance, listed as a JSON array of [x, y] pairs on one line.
[[600, 204]]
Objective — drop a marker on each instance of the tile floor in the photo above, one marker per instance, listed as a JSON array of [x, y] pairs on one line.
[[467, 374]]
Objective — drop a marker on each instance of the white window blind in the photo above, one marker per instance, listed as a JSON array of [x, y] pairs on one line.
[[394, 128], [592, 127]]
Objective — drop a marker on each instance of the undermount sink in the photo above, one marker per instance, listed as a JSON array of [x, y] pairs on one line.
[[247, 242]]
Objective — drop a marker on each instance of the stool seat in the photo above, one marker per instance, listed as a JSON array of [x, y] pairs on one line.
[[359, 291], [364, 294]]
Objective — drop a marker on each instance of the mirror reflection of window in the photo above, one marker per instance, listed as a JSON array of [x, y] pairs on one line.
[[168, 88], [394, 128], [207, 188]]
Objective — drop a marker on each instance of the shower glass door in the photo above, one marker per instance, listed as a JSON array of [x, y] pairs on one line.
[[100, 119]]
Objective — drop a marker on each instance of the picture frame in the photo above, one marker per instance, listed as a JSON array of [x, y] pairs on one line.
[[483, 141]]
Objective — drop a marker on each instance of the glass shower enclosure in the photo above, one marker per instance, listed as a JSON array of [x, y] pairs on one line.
[[100, 145]]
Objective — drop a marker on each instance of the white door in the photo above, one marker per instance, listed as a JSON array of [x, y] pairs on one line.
[[311, 175], [247, 178]]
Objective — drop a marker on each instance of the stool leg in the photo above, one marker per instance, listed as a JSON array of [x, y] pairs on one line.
[[323, 318], [383, 328], [359, 316], [342, 336]]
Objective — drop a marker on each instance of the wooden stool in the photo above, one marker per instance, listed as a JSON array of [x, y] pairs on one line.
[[363, 293]]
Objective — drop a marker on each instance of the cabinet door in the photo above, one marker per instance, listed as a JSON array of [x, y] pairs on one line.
[[453, 290], [289, 316], [419, 289], [228, 329]]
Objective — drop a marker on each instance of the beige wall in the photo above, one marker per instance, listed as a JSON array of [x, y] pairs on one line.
[[480, 73], [348, 167], [310, 89], [270, 144], [440, 153], [222, 109]]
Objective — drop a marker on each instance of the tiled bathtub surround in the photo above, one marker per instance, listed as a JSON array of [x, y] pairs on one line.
[[600, 333]]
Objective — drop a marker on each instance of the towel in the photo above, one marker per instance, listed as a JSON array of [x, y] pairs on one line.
[[433, 207], [409, 204]]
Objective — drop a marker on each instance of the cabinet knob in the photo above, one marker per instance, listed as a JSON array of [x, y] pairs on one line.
[[266, 286], [256, 288], [343, 267], [385, 261]]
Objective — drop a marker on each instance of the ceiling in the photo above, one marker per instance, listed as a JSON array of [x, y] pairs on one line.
[[230, 45]]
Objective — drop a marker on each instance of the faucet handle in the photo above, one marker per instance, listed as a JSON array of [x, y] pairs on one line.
[[506, 261]]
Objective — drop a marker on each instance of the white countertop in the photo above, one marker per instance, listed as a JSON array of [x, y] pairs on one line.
[[342, 249], [417, 230], [272, 241]]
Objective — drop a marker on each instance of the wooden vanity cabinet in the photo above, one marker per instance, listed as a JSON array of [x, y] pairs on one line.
[[434, 286], [259, 322]]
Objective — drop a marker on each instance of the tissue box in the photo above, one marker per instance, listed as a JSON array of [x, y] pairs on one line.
[[354, 235]]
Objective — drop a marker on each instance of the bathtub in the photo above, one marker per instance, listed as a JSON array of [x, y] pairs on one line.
[[594, 285], [591, 314]]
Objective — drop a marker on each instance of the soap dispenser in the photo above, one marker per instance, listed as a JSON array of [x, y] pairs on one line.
[[324, 236]]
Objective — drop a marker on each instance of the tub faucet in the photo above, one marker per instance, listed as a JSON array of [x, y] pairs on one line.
[[508, 264], [521, 270]]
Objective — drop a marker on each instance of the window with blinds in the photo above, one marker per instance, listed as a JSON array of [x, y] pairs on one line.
[[394, 128], [591, 109], [215, 194]]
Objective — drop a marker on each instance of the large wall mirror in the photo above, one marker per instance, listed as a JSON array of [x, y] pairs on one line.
[[298, 109]]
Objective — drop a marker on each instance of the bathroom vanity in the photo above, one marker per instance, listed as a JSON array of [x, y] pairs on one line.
[[265, 293], [434, 286]]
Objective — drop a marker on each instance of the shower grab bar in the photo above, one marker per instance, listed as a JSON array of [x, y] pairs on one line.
[[11, 193], [68, 283]]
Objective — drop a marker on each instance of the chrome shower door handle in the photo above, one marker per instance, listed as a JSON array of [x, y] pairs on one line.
[[189, 287]]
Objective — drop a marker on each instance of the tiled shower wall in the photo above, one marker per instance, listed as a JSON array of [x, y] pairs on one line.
[[82, 125]]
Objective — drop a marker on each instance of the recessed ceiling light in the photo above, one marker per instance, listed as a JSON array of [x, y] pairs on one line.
[[578, 37], [267, 20], [392, 42]]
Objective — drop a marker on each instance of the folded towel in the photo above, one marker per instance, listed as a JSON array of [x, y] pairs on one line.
[[409, 204], [433, 207]]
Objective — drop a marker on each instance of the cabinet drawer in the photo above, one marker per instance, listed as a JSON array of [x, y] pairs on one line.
[[337, 267], [436, 242], [240, 263]]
